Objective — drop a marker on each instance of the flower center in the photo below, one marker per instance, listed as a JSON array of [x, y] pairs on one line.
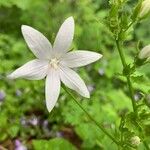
[[54, 63]]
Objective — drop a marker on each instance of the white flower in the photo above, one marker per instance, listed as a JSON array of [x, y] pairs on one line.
[[55, 63], [145, 52], [145, 8]]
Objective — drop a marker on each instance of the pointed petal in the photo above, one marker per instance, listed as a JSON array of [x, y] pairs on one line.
[[33, 70], [52, 89], [37, 42], [79, 58], [72, 80], [64, 37]]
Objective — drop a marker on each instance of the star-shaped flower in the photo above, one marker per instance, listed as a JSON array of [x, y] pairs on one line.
[[55, 63]]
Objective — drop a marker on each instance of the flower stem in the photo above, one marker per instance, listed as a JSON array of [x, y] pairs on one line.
[[129, 26], [127, 76], [91, 118], [146, 145]]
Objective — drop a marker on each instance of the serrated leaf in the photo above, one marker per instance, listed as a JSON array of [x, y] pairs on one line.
[[53, 144]]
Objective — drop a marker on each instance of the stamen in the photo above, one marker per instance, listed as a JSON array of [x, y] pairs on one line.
[[54, 63]]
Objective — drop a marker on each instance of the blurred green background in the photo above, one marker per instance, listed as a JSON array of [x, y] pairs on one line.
[[24, 120]]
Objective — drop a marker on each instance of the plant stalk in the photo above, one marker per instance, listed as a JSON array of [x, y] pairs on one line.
[[146, 145], [129, 26], [122, 57], [91, 118]]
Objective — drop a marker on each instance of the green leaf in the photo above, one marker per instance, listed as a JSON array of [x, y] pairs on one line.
[[13, 130], [54, 144]]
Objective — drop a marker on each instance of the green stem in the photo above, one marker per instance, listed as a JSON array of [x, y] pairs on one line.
[[91, 118], [131, 93], [129, 26], [127, 76], [121, 54], [146, 145]]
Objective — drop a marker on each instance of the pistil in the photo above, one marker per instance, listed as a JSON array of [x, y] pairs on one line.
[[54, 63]]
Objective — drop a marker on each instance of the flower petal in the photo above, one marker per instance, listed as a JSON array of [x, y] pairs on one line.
[[52, 89], [37, 42], [80, 58], [33, 70], [71, 79], [64, 37]]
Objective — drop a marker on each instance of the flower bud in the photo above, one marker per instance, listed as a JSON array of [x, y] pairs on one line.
[[145, 52], [145, 8], [135, 141]]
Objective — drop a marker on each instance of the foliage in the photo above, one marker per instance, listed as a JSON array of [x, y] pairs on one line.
[[51, 144], [98, 23]]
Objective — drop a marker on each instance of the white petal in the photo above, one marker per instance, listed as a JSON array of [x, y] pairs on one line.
[[33, 70], [52, 89], [64, 37], [79, 58], [37, 42], [72, 80]]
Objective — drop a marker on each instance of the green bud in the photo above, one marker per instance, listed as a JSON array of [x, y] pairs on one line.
[[135, 141], [145, 53], [136, 11], [139, 62], [145, 8]]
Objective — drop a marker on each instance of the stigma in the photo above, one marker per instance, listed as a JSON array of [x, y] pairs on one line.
[[54, 63]]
